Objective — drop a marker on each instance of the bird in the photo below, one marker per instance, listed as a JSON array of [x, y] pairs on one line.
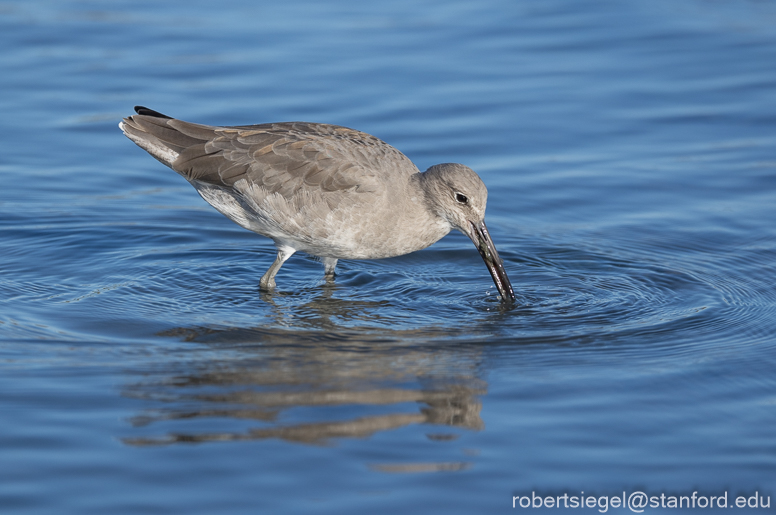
[[326, 190]]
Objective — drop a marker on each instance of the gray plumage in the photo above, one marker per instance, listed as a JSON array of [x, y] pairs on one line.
[[326, 190]]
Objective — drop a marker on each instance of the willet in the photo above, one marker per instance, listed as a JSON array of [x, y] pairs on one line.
[[329, 191]]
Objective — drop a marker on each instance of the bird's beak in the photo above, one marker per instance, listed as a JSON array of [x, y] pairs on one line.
[[481, 238]]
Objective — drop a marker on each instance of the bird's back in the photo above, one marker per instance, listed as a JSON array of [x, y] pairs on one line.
[[326, 189]]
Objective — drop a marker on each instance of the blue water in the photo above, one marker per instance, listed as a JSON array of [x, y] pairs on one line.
[[630, 153]]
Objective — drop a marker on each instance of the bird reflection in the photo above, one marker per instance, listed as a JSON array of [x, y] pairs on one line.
[[311, 383]]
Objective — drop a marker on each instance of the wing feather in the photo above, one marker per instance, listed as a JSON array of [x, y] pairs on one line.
[[289, 159]]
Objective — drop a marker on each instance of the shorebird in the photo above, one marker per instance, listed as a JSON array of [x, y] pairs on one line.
[[332, 192]]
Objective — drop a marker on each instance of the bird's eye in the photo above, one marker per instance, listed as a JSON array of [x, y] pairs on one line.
[[460, 197]]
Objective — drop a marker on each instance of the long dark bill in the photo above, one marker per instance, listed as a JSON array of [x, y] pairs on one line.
[[484, 244]]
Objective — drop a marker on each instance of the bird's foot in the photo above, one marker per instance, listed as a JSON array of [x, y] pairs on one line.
[[267, 284]]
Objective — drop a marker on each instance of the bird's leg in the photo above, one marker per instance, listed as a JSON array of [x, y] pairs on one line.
[[268, 279], [329, 264]]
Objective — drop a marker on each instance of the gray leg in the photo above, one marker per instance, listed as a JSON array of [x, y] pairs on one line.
[[329, 264], [268, 280]]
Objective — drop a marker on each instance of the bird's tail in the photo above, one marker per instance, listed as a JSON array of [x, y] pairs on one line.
[[158, 134]]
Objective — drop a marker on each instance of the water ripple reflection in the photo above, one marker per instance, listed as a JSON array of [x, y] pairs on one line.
[[350, 359], [308, 387]]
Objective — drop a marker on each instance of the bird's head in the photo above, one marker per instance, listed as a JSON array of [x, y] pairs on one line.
[[457, 194]]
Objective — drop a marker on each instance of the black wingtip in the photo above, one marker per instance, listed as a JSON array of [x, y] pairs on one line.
[[150, 112]]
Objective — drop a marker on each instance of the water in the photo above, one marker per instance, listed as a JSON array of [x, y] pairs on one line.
[[629, 152]]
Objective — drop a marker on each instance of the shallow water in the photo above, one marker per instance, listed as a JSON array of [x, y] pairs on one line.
[[628, 148]]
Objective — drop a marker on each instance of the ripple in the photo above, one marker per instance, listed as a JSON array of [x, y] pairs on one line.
[[568, 290], [686, 293]]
